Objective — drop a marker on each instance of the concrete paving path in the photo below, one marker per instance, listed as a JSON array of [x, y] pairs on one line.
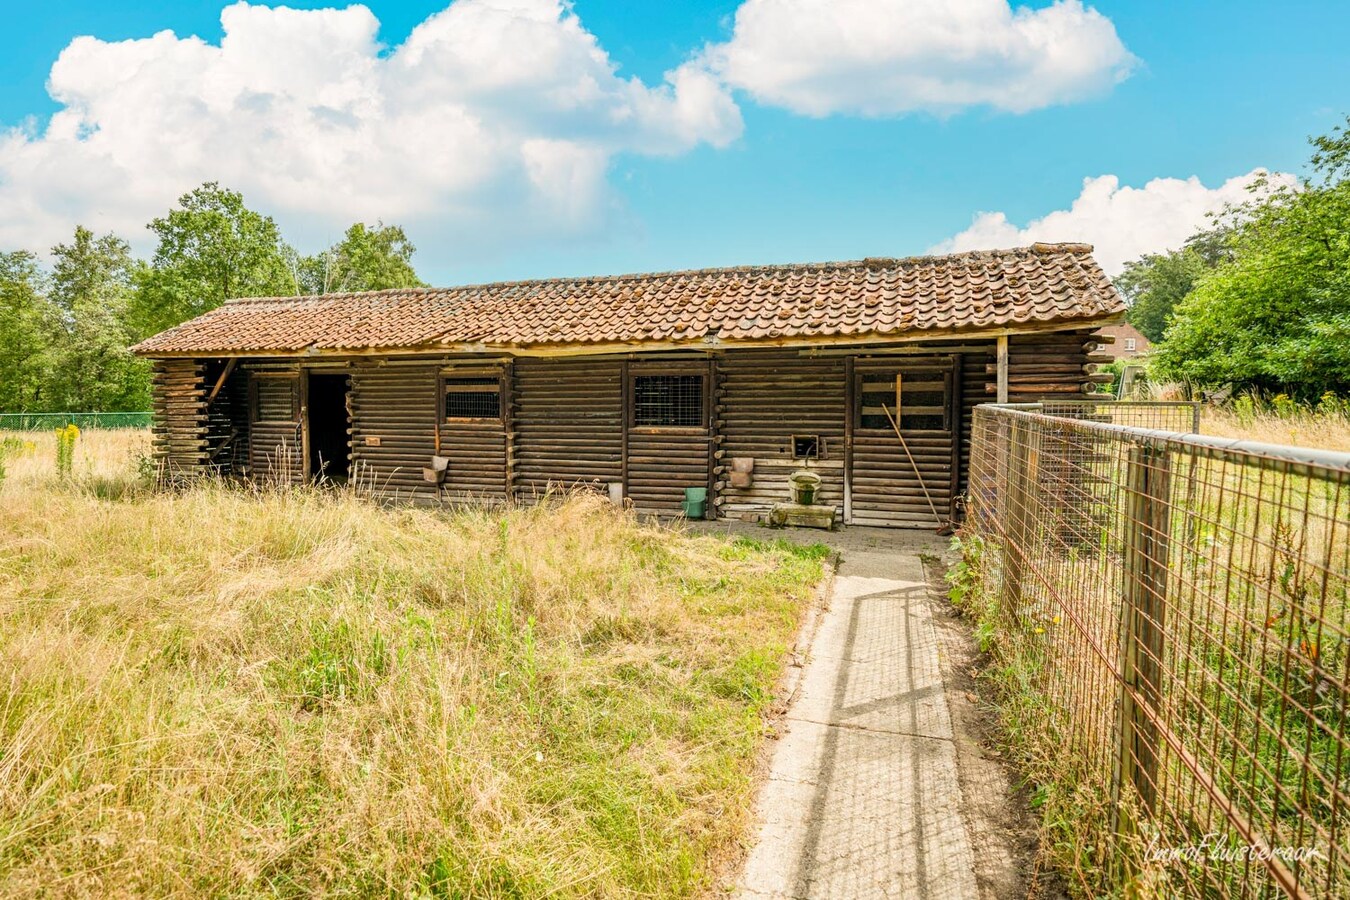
[[864, 798]]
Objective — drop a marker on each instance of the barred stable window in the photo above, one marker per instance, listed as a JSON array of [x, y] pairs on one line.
[[274, 400], [668, 400], [473, 398]]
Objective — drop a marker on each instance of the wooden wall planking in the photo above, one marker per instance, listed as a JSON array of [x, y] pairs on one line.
[[767, 396], [477, 450], [179, 432], [275, 440], [661, 462], [394, 411], [566, 421], [887, 484]]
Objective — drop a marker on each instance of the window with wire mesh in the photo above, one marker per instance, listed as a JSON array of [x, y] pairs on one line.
[[473, 398], [274, 400], [668, 401]]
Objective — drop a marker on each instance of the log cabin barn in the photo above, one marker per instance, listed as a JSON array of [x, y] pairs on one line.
[[864, 373]]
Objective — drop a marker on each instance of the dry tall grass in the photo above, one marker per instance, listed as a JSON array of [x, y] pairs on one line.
[[222, 692], [1300, 427]]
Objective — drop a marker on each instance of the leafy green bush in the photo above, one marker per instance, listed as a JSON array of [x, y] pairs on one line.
[[1276, 316]]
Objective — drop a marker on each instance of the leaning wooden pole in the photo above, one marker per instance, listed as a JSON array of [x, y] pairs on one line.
[[917, 474]]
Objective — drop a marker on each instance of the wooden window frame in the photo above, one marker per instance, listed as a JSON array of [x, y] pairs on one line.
[[255, 406], [456, 375], [636, 371], [819, 442], [943, 372]]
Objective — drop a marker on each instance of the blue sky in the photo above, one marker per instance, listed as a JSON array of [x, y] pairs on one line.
[[1210, 91]]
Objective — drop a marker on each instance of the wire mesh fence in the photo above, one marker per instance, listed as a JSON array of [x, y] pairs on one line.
[[44, 421], [1170, 613]]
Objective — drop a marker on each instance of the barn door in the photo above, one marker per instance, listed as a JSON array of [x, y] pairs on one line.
[[275, 442], [887, 485], [474, 410], [667, 448]]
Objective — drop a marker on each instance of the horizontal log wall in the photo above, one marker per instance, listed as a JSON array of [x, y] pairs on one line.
[[394, 413], [661, 461], [179, 433], [566, 423], [661, 464], [275, 440], [477, 456], [477, 450], [1059, 365], [764, 398]]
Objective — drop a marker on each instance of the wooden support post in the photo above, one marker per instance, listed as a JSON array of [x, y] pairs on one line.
[[850, 413], [508, 384], [1002, 363], [625, 418], [1148, 481], [954, 425], [1017, 513], [711, 383], [302, 387]]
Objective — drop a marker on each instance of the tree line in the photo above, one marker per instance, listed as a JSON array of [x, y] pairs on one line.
[[1260, 300], [65, 327]]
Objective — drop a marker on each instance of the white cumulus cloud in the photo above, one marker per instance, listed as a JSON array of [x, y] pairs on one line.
[[888, 57], [493, 117], [1121, 222]]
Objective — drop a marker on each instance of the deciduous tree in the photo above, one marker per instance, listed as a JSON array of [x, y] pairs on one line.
[[366, 259], [211, 248], [1154, 284], [91, 285], [26, 322], [1277, 315]]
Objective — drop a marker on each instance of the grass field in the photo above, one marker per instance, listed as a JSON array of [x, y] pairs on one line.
[[294, 693], [1298, 427]]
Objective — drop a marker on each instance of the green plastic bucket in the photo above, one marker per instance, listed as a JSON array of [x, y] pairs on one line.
[[695, 502]]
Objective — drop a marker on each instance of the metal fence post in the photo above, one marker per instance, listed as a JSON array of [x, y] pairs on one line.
[[1147, 526], [1017, 513]]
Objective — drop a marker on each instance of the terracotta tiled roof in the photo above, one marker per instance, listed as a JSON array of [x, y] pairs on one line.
[[872, 297]]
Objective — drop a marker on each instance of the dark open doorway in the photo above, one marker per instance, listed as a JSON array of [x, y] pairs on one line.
[[328, 422]]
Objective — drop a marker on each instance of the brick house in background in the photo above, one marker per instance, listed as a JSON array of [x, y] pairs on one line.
[[1129, 343]]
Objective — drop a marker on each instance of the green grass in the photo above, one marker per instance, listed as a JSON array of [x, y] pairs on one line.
[[218, 692]]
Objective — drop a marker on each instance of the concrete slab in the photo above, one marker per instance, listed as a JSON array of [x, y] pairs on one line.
[[864, 797]]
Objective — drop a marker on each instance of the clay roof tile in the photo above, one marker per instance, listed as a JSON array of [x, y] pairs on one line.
[[969, 291]]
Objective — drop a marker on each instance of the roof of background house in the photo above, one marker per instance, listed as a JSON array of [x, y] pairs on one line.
[[864, 299], [1124, 330]]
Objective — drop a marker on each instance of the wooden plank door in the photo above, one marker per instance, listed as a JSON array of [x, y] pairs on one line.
[[667, 446], [887, 485], [275, 439], [474, 414]]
